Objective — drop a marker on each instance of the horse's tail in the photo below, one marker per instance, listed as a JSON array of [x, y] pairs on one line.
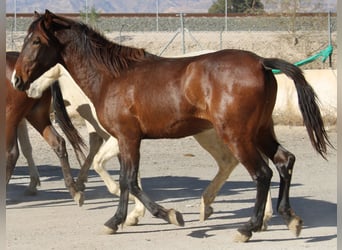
[[307, 100], [65, 123]]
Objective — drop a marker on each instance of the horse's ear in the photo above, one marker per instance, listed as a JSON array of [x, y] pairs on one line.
[[36, 15], [51, 20], [48, 16]]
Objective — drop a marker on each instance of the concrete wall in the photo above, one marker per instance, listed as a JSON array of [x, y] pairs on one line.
[[324, 82]]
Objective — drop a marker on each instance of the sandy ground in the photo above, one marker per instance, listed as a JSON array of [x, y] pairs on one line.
[[174, 172]]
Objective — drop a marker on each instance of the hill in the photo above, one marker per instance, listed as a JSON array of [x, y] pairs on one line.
[[147, 6], [107, 6]]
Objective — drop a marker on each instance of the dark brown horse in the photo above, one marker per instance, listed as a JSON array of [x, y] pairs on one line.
[[37, 113], [141, 96]]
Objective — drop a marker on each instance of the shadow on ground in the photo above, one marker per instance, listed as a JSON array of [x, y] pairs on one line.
[[315, 213]]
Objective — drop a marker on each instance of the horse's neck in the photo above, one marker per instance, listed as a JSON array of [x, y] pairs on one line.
[[80, 72]]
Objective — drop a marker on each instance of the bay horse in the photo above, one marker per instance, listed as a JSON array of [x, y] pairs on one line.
[[78, 102], [37, 112], [138, 95]]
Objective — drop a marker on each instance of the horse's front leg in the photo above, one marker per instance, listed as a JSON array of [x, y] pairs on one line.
[[129, 169], [38, 86], [129, 163], [95, 142], [108, 150]]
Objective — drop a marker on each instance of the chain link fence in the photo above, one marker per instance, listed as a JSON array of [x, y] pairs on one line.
[[288, 37]]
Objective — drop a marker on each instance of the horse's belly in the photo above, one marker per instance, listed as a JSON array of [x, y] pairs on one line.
[[178, 129]]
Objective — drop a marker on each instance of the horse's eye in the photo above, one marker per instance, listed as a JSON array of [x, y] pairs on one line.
[[36, 42]]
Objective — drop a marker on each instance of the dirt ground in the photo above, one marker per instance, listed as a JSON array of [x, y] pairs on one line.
[[174, 173]]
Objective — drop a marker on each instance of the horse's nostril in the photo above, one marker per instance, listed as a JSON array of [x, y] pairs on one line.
[[17, 82]]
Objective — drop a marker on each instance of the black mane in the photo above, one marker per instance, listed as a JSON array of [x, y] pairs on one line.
[[114, 56], [104, 52]]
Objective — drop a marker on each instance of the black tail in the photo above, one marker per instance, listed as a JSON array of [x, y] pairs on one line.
[[307, 100], [65, 123]]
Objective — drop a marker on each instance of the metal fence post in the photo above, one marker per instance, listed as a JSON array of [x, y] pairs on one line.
[[182, 31], [221, 38], [157, 14]]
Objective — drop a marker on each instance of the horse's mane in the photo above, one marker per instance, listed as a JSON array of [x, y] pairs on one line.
[[104, 52], [87, 41]]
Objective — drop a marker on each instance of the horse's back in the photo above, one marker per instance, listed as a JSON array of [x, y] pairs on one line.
[[191, 92]]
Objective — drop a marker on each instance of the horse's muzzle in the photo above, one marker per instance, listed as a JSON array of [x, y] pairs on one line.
[[18, 82]]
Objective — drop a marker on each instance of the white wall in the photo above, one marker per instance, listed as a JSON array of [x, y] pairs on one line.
[[324, 82]]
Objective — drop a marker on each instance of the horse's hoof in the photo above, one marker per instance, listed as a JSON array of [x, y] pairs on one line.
[[108, 230], [264, 226], [35, 182], [79, 198], [242, 237], [175, 217], [30, 191], [131, 221], [205, 213], [296, 225], [267, 217]]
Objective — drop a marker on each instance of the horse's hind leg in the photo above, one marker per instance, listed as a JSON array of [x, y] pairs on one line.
[[244, 148], [226, 163], [108, 150], [12, 152], [26, 149], [284, 162]]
